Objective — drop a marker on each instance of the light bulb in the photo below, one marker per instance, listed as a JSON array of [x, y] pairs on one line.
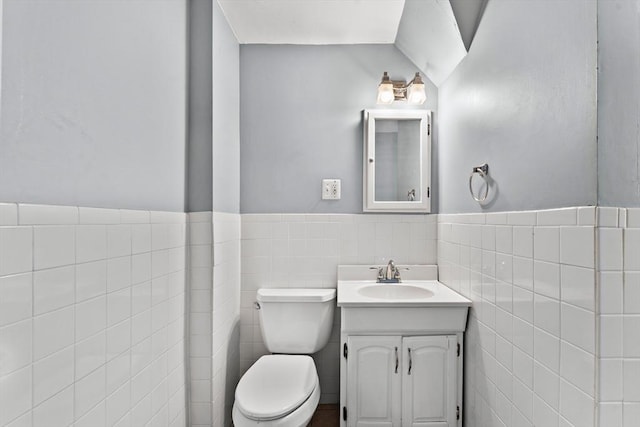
[[385, 93], [416, 94]]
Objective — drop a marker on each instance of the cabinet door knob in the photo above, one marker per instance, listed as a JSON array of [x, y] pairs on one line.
[[409, 371]]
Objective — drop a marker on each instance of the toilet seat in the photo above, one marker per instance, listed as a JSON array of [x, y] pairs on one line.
[[275, 386]]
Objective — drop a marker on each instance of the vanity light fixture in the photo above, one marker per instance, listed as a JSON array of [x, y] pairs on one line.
[[398, 90]]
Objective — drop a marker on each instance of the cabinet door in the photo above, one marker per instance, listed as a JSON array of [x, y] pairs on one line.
[[429, 381], [373, 381]]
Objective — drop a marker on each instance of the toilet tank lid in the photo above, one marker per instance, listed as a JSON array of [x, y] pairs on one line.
[[295, 295]]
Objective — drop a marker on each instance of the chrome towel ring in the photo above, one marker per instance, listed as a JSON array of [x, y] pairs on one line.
[[483, 171]]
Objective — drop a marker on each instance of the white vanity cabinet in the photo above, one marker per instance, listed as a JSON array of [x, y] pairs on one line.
[[401, 349], [401, 381]]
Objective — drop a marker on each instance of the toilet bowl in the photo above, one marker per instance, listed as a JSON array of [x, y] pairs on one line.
[[277, 391], [283, 390]]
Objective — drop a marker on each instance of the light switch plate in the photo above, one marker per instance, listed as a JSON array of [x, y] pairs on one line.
[[330, 189]]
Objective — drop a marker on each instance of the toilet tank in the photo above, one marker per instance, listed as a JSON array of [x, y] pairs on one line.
[[296, 321]]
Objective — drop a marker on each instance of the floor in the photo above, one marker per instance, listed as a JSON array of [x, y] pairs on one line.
[[326, 416]]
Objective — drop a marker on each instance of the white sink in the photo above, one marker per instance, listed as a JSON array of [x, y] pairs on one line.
[[419, 304], [388, 291]]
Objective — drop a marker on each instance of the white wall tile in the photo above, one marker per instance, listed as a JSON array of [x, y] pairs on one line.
[[610, 249], [523, 241], [118, 273], [547, 314], [611, 380], [611, 292], [90, 354], [577, 407], [546, 349], [8, 214], [546, 243], [118, 240], [91, 243], [47, 214], [98, 216], [16, 298], [91, 280], [547, 279], [90, 317], [611, 336], [16, 250], [577, 246], [578, 327], [89, 391], [52, 374], [632, 292], [546, 385], [15, 394], [567, 216], [57, 411], [631, 414], [53, 289], [16, 342], [587, 215], [607, 217], [632, 249], [631, 343], [578, 286], [610, 414], [53, 246], [577, 367], [523, 272], [52, 332]]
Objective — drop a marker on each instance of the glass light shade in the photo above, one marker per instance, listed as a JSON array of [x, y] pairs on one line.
[[385, 93], [416, 93]]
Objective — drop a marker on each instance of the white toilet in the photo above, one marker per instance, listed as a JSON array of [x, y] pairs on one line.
[[282, 390]]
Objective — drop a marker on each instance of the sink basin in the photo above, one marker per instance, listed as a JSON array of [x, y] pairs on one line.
[[419, 305], [394, 291]]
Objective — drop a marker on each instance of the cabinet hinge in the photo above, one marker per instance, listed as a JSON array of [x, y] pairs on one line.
[[429, 129], [345, 350], [458, 349], [428, 192], [344, 413], [457, 412]]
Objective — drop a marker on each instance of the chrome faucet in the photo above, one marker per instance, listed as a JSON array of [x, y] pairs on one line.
[[390, 274]]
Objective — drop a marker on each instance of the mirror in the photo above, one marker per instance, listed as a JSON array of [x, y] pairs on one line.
[[397, 161]]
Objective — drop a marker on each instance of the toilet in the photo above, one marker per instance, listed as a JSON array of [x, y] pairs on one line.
[[282, 389]]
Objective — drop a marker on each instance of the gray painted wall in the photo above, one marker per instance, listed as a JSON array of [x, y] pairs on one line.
[[199, 174], [301, 122], [226, 120], [619, 103], [93, 103], [524, 101]]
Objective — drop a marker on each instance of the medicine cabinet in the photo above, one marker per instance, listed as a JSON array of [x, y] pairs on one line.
[[397, 161]]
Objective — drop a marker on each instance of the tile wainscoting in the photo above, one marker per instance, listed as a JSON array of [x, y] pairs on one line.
[[214, 277], [530, 356], [289, 250], [92, 308], [92, 317]]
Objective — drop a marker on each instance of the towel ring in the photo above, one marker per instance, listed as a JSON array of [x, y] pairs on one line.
[[483, 171]]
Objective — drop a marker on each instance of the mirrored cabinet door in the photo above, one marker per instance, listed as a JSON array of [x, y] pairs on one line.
[[397, 161]]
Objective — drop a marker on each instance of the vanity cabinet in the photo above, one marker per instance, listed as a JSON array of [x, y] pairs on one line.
[[401, 381]]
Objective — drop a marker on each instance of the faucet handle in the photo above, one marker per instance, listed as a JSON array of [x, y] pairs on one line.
[[380, 272], [396, 272]]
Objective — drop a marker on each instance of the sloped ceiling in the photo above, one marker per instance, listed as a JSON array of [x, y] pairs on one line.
[[428, 35], [434, 34], [468, 14], [313, 21]]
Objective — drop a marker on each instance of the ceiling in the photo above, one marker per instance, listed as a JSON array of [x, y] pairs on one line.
[[434, 34], [313, 21]]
